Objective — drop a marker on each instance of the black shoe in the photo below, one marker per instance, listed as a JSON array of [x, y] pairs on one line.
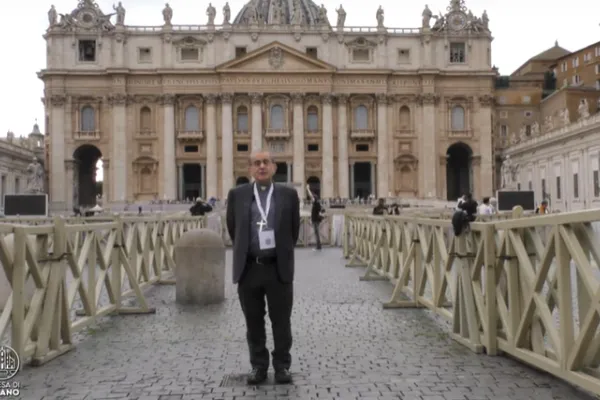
[[256, 376], [283, 376]]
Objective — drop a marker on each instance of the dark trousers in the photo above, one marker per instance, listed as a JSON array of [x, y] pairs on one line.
[[258, 282], [317, 235]]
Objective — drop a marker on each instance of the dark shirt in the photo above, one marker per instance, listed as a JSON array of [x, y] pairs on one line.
[[200, 208], [469, 207], [315, 212], [379, 210], [255, 218]]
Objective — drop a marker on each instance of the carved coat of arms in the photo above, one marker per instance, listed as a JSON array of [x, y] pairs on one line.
[[276, 58]]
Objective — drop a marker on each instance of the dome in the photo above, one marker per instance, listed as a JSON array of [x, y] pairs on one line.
[[280, 12]]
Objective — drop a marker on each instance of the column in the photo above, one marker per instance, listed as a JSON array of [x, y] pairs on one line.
[[351, 194], [57, 152], [212, 166], [373, 179], [203, 181], [257, 134], [427, 146], [119, 147], [226, 143], [382, 146], [70, 168], [327, 165], [343, 179], [486, 170], [289, 172], [169, 166], [105, 181], [181, 182], [298, 137]]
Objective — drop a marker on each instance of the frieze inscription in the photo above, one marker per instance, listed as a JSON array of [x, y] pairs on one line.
[[275, 80], [143, 81], [406, 82], [360, 81], [191, 81]]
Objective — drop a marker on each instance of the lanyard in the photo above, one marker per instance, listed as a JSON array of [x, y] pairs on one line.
[[263, 211]]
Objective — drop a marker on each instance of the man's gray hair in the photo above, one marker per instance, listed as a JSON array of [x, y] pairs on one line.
[[258, 151]]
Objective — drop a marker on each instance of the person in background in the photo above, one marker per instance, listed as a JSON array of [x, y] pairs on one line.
[[380, 208], [543, 208], [494, 205], [485, 208], [394, 209], [461, 200], [469, 206], [316, 217], [200, 208]]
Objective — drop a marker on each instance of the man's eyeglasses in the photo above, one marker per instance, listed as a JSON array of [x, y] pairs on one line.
[[257, 163]]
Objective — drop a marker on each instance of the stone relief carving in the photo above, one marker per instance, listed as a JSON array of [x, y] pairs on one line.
[[120, 10], [297, 97], [583, 109], [535, 128], [143, 98], [428, 98], [57, 100], [548, 123], [341, 19], [342, 98], [117, 99], [276, 57], [212, 13], [227, 98], [427, 15], [379, 15], [167, 99], [514, 139], [226, 14], [327, 98], [382, 98], [323, 19], [564, 115], [256, 98], [35, 177], [523, 133], [167, 14], [486, 100], [87, 16], [459, 18], [210, 98]]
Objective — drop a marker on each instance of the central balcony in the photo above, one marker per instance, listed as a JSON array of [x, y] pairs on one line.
[[190, 136], [277, 134], [86, 136], [362, 134]]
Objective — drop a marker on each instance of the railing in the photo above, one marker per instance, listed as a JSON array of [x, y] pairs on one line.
[[529, 287], [190, 135], [86, 135], [280, 28], [92, 265]]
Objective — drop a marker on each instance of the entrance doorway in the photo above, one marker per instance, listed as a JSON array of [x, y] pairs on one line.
[[458, 170], [242, 180], [281, 174], [314, 184], [192, 181], [363, 185], [87, 189]]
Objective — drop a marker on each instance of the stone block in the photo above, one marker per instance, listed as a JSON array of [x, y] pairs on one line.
[[200, 268]]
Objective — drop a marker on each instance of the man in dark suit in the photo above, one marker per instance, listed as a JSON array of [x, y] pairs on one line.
[[263, 220]]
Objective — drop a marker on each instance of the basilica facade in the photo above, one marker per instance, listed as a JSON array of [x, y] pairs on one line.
[[174, 111]]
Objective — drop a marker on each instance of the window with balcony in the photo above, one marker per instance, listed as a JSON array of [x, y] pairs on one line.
[[457, 118], [361, 118], [242, 119], [87, 50], [277, 120], [88, 119], [192, 119], [312, 119], [457, 53]]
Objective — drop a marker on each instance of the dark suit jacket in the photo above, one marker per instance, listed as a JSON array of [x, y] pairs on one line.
[[287, 228]]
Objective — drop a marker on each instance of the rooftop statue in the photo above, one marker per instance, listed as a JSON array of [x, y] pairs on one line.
[[583, 109], [212, 13], [427, 15], [167, 14], [226, 14], [120, 13], [52, 16], [341, 19], [379, 15]]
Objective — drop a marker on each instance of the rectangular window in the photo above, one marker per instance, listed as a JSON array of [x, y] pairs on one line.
[[313, 147], [144, 55], [361, 55], [503, 130], [457, 53], [242, 147], [311, 52], [558, 188], [576, 185], [544, 194], [190, 149], [362, 148], [403, 56], [597, 68], [528, 130], [87, 50], [277, 147], [575, 79], [575, 62], [598, 84], [190, 54], [240, 52], [596, 178]]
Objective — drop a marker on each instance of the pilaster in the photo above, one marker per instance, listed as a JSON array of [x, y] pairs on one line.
[[428, 145], [227, 143], [486, 167], [382, 146], [118, 102], [71, 184], [343, 179], [105, 181], [211, 147], [169, 171], [257, 135], [327, 165], [57, 152], [298, 135]]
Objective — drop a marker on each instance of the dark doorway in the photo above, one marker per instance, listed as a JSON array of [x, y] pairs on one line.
[[314, 184], [281, 174], [242, 180], [192, 181], [458, 170], [363, 187], [86, 193]]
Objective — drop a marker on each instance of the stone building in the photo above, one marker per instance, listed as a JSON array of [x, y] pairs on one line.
[[16, 153], [580, 68], [174, 111]]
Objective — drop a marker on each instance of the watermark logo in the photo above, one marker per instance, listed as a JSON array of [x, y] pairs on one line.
[[9, 367]]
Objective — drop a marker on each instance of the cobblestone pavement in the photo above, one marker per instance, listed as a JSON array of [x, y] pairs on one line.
[[346, 347]]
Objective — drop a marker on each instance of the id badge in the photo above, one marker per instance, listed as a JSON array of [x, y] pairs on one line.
[[266, 239]]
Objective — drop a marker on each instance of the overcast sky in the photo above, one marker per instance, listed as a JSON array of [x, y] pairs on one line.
[[521, 29]]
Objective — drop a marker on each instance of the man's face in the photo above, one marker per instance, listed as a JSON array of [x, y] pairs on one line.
[[262, 167]]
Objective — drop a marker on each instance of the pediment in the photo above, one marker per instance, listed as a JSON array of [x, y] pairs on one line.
[[361, 43], [189, 41], [406, 158], [275, 57], [145, 160]]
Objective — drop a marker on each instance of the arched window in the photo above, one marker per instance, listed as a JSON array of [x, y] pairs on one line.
[[88, 119], [457, 118], [404, 117], [361, 118], [312, 120], [192, 119], [277, 119], [242, 119], [145, 119]]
